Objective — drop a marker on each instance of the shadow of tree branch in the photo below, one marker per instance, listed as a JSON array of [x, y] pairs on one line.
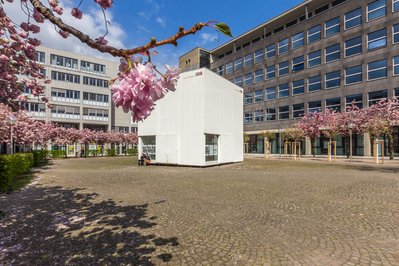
[[53, 225]]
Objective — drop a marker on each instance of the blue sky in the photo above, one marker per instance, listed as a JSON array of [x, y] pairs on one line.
[[161, 19], [134, 22]]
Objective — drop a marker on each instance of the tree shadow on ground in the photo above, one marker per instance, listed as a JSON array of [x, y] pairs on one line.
[[53, 225]]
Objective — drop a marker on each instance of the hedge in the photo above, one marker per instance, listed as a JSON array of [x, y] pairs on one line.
[[111, 152], [132, 151], [39, 157], [58, 154], [12, 166]]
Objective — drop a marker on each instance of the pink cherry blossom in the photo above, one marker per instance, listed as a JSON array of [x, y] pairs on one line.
[[76, 13], [64, 34], [104, 3]]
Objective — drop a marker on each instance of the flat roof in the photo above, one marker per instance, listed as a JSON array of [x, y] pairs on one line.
[[314, 4]]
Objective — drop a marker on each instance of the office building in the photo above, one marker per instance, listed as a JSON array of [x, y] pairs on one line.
[[79, 91], [320, 54]]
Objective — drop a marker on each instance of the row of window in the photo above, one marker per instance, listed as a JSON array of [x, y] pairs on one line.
[[61, 76], [298, 110], [72, 94], [354, 46], [352, 19], [95, 82], [67, 62], [352, 75], [70, 110]]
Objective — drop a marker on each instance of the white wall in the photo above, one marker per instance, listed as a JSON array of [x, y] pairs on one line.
[[203, 103]]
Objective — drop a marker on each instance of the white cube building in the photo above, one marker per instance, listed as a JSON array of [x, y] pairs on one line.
[[200, 124]]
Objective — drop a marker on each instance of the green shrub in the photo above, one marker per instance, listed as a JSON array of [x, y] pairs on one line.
[[39, 157], [12, 166], [58, 154], [111, 152], [94, 153], [132, 151]]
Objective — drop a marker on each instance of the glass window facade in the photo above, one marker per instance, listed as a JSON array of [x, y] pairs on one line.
[[259, 75], [283, 90], [314, 107], [334, 104], [248, 118], [333, 79], [314, 83], [376, 9], [314, 59], [353, 18], [258, 96], [375, 96], [298, 87], [377, 69], [95, 82], [248, 98], [396, 33], [258, 56], [271, 51], [62, 61], [248, 79], [271, 114], [314, 34], [92, 67], [283, 68], [248, 60], [298, 40], [377, 39], [333, 53], [283, 112], [396, 65], [270, 72], [355, 99], [283, 46], [270, 93], [298, 110], [298, 63], [258, 116], [353, 75], [395, 7], [353, 46], [238, 81], [238, 64], [229, 68], [332, 27]]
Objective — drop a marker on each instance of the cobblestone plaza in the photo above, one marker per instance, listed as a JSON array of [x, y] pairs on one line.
[[279, 212]]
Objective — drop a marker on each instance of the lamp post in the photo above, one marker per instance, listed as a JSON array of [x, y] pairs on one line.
[[350, 126], [12, 120]]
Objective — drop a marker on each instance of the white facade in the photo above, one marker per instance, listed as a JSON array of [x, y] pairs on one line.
[[204, 106], [79, 91]]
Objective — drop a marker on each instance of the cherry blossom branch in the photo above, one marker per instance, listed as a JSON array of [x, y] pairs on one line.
[[48, 14]]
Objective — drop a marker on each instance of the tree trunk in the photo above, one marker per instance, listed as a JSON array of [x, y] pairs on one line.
[[391, 144], [347, 147], [313, 146]]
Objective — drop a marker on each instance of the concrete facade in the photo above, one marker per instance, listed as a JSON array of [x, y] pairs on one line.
[[276, 101], [194, 59], [80, 92], [197, 125]]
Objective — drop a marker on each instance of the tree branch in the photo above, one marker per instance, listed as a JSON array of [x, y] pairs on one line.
[[48, 14]]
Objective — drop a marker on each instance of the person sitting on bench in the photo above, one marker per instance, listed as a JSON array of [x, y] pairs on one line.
[[144, 159]]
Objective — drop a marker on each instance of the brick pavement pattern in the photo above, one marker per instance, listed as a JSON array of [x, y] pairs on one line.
[[110, 211]]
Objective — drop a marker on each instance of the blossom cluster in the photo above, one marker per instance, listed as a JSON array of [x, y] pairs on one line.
[[29, 131], [377, 120], [139, 87]]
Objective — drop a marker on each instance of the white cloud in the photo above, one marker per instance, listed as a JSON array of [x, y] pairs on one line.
[[161, 21], [208, 37], [93, 25]]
